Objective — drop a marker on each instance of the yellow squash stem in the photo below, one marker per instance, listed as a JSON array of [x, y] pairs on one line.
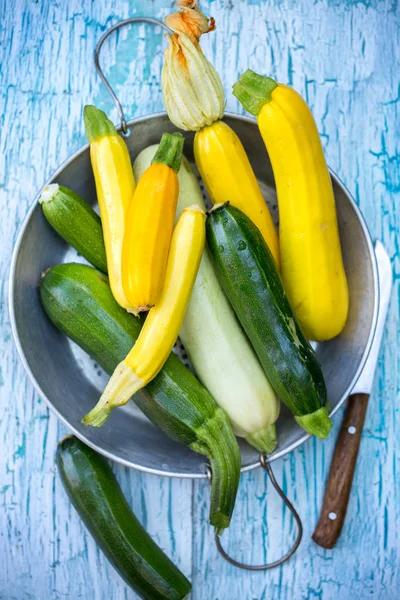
[[115, 186], [149, 225], [195, 101], [311, 258], [161, 328]]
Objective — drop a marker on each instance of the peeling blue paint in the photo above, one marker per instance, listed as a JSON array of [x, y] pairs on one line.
[[20, 451]]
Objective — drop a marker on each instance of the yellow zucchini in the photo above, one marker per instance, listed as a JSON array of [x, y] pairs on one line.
[[115, 185], [311, 258], [149, 225], [228, 176], [162, 325]]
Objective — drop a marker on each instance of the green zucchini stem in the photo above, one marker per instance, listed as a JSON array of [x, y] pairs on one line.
[[253, 91], [97, 124], [219, 444], [121, 386], [169, 151], [97, 416], [264, 440], [317, 423]]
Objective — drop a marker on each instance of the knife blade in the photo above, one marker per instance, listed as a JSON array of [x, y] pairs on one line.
[[366, 379], [344, 459]]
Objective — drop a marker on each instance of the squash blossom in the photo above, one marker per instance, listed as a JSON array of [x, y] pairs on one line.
[[193, 92]]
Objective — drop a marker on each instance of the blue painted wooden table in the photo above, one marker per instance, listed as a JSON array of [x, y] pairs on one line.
[[343, 57]]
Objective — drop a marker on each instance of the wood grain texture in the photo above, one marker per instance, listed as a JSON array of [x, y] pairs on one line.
[[343, 57], [341, 473]]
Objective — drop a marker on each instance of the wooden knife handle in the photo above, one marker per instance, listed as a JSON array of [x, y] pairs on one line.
[[341, 473]]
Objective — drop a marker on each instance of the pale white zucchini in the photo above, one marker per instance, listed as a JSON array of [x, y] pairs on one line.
[[218, 349]]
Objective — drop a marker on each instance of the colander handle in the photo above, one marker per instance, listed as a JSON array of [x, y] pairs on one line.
[[267, 467], [104, 79]]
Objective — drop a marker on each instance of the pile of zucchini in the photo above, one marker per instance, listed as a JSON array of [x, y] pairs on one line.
[[243, 300]]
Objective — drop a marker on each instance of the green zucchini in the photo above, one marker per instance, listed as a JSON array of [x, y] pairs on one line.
[[76, 222], [78, 300], [248, 274], [94, 491]]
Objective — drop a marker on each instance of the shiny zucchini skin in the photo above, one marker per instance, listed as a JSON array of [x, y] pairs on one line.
[[78, 224], [95, 493], [249, 277], [78, 300]]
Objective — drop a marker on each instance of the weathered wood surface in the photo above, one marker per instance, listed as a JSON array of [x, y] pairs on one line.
[[343, 56]]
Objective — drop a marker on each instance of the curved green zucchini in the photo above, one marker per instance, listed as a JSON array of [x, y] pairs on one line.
[[249, 277], [78, 300], [94, 491], [76, 222]]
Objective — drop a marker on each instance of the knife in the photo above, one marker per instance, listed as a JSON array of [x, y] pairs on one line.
[[344, 460]]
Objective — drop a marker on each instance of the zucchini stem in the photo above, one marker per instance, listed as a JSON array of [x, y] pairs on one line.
[[317, 423], [264, 440], [97, 124], [169, 151], [253, 91], [120, 388], [48, 193], [97, 416]]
